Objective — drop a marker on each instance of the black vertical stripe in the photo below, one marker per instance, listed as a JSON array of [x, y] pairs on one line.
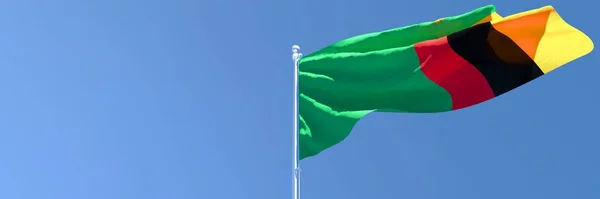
[[496, 56]]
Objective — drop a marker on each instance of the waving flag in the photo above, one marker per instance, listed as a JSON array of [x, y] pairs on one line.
[[443, 65]]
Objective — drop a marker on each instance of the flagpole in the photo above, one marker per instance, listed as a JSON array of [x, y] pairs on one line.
[[296, 56]]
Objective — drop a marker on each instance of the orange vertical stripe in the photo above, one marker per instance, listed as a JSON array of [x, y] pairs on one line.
[[525, 30]]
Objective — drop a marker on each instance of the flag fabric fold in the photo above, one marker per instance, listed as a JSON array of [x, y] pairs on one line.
[[438, 66]]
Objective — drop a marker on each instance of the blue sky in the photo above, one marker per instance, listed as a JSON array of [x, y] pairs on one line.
[[193, 99]]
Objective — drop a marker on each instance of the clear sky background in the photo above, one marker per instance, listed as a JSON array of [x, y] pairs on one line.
[[192, 99]]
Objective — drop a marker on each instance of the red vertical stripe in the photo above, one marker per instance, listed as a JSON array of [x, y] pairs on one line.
[[463, 81]]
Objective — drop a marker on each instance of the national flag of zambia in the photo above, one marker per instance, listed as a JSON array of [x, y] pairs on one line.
[[443, 65]]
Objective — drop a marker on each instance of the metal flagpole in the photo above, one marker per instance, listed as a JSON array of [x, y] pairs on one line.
[[296, 56]]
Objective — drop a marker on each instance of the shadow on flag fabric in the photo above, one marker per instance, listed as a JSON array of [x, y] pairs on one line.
[[443, 65]]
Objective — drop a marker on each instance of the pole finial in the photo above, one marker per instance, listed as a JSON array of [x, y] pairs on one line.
[[296, 54]]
